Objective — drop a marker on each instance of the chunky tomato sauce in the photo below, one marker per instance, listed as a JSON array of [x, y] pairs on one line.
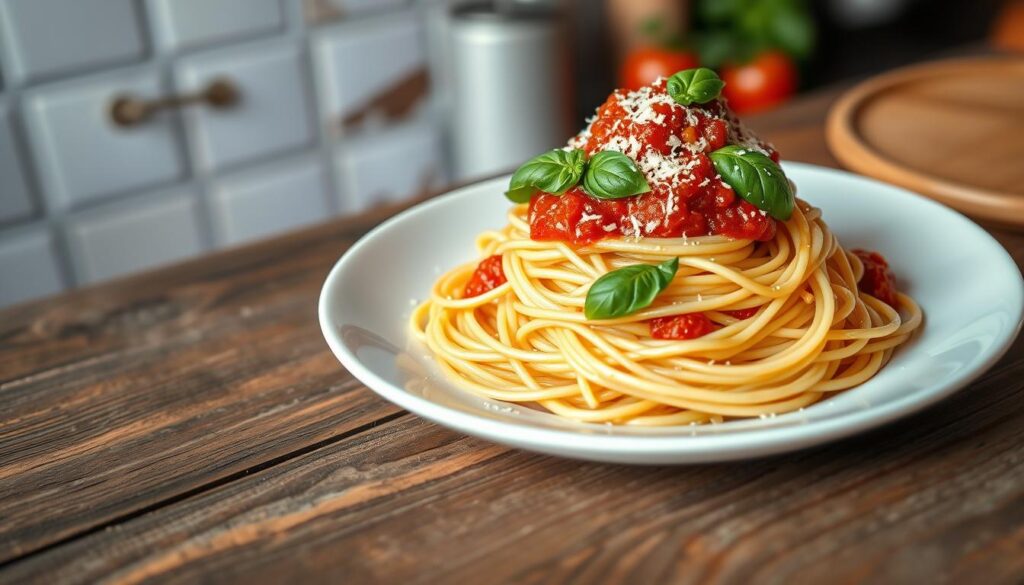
[[688, 326], [488, 275], [878, 279], [670, 143]]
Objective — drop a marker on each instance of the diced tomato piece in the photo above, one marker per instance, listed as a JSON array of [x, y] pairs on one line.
[[487, 276], [742, 314], [878, 279], [688, 326], [554, 217], [743, 221]]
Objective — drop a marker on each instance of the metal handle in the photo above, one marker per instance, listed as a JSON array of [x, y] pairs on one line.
[[128, 110]]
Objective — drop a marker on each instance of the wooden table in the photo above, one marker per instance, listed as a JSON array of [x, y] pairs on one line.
[[190, 424]]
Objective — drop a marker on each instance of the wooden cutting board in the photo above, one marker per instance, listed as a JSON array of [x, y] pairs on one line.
[[952, 130]]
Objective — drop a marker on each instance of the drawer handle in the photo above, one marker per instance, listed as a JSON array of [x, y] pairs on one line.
[[128, 110]]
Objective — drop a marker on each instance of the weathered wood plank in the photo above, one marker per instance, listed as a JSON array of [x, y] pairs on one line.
[[121, 396], [940, 495]]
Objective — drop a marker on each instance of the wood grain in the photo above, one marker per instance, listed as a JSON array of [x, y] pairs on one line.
[[188, 425], [137, 391], [937, 496], [952, 129]]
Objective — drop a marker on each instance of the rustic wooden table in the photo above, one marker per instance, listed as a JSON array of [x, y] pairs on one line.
[[190, 424]]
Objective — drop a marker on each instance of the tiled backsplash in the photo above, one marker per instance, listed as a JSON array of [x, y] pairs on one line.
[[332, 94]]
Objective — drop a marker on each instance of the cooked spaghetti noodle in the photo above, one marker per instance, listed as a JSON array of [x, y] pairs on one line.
[[528, 341], [593, 303]]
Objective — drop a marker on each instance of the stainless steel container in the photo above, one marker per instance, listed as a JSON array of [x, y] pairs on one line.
[[511, 84]]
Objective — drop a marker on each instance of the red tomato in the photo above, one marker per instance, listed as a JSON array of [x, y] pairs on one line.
[[877, 280], [688, 326], [764, 82], [742, 314], [642, 66], [488, 275]]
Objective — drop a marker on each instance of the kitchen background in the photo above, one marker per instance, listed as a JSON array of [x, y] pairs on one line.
[[294, 111]]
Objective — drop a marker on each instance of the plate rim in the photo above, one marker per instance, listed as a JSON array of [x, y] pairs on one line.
[[749, 443]]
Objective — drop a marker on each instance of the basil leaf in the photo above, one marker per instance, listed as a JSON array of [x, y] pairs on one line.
[[756, 178], [700, 85], [627, 290], [613, 175], [555, 171]]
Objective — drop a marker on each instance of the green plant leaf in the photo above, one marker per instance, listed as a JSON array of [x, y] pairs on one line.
[[756, 178], [715, 47], [699, 85], [555, 172], [613, 175], [629, 289], [792, 30]]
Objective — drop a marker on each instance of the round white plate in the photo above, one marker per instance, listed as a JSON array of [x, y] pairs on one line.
[[969, 287]]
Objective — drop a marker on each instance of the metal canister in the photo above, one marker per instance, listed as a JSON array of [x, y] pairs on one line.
[[511, 84]]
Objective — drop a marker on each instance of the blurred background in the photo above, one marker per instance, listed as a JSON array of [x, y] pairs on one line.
[[135, 133]]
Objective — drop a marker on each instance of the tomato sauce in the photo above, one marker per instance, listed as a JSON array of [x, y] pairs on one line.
[[878, 279], [670, 144], [688, 326], [487, 276]]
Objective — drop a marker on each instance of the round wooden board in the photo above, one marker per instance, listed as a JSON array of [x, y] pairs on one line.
[[952, 130]]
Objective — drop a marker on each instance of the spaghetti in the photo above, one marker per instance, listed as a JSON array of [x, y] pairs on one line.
[[527, 340], [783, 317]]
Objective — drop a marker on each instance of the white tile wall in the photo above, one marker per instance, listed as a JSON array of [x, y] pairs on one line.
[[356, 61], [392, 166], [28, 265], [272, 115], [82, 155], [47, 37], [15, 200], [269, 200], [130, 235], [191, 23], [83, 200]]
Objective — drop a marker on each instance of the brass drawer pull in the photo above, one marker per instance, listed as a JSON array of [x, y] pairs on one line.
[[128, 110]]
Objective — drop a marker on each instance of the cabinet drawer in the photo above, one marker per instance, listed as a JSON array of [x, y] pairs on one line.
[[82, 155], [15, 200], [269, 200], [371, 71], [396, 165], [183, 24], [130, 235], [29, 266], [48, 37], [272, 115]]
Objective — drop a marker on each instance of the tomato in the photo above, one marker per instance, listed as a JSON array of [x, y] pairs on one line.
[[488, 275], [760, 84], [642, 66], [742, 314], [877, 280], [688, 326]]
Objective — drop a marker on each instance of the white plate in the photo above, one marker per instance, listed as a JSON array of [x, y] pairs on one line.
[[969, 287]]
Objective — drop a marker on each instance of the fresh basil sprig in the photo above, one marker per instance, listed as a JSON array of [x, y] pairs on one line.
[[627, 290], [699, 85], [555, 171], [756, 178], [613, 175]]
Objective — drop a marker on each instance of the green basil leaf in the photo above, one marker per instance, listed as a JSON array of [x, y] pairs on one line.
[[613, 175], [700, 85], [756, 178], [627, 290], [555, 172]]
